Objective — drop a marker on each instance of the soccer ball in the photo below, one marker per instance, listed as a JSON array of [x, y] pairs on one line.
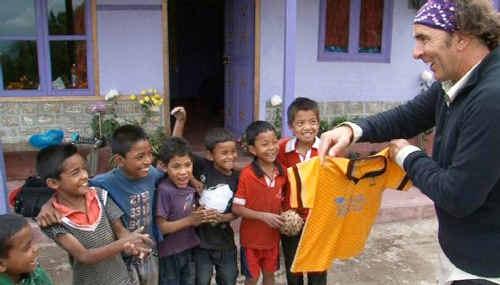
[[292, 223]]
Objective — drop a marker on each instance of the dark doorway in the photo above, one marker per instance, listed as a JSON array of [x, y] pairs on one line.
[[196, 47]]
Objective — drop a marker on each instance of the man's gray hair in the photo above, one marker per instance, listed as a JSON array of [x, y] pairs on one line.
[[479, 18]]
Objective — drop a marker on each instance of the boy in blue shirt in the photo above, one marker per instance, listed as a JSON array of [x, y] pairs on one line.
[[132, 186]]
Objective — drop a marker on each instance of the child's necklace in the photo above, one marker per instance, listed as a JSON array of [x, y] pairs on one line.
[[270, 176]]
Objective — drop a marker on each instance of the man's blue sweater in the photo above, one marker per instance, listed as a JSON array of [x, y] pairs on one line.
[[463, 175]]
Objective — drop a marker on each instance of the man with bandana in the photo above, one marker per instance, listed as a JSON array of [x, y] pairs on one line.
[[458, 39]]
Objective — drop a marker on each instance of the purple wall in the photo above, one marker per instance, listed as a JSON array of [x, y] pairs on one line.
[[130, 45], [130, 54], [129, 2], [335, 81]]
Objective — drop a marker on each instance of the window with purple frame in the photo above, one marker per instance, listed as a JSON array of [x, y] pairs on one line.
[[355, 30], [45, 48]]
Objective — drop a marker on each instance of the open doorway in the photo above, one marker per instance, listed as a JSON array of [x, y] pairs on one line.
[[196, 47]]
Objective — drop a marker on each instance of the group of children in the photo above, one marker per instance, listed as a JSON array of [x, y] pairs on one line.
[[144, 224]]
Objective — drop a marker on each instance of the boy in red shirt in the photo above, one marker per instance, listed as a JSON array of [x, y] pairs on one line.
[[303, 120], [258, 201]]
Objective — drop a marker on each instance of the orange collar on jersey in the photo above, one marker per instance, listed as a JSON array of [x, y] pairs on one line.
[[79, 217]]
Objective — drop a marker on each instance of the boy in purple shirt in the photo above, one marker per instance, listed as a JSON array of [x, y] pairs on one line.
[[177, 215]]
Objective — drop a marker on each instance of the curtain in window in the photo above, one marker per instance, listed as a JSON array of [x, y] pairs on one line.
[[370, 32], [81, 52], [68, 56], [337, 25]]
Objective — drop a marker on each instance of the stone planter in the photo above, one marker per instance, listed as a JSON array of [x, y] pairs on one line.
[[20, 162]]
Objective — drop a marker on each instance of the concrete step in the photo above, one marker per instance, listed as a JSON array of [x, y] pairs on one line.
[[405, 205]]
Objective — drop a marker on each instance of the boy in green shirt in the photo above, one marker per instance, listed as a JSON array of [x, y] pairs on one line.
[[18, 253]]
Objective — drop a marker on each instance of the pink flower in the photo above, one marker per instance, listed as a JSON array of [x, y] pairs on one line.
[[97, 107]]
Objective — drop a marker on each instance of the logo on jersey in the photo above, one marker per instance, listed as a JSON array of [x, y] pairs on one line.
[[345, 205]]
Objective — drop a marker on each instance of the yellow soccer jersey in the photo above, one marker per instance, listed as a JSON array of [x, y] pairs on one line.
[[344, 196]]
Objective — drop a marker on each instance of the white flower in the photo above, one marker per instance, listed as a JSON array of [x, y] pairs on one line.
[[427, 76], [276, 100], [121, 121], [111, 94]]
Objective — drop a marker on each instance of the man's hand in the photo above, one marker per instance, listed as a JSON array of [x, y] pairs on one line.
[[273, 220], [48, 215], [335, 142], [395, 146]]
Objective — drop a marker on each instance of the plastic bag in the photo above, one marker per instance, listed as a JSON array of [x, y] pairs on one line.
[[50, 137], [216, 197]]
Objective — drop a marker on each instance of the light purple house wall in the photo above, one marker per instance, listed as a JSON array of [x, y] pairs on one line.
[[335, 80], [130, 45], [130, 54]]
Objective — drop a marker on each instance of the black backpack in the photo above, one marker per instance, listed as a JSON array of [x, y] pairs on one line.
[[34, 193]]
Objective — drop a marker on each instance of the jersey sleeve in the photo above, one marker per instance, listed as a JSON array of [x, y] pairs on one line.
[[396, 177], [240, 197], [303, 179], [291, 194]]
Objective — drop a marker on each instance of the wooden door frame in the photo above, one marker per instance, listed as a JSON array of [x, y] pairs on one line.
[[166, 66], [256, 63], [166, 63]]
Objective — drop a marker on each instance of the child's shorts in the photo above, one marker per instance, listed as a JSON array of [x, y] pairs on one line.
[[254, 260]]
